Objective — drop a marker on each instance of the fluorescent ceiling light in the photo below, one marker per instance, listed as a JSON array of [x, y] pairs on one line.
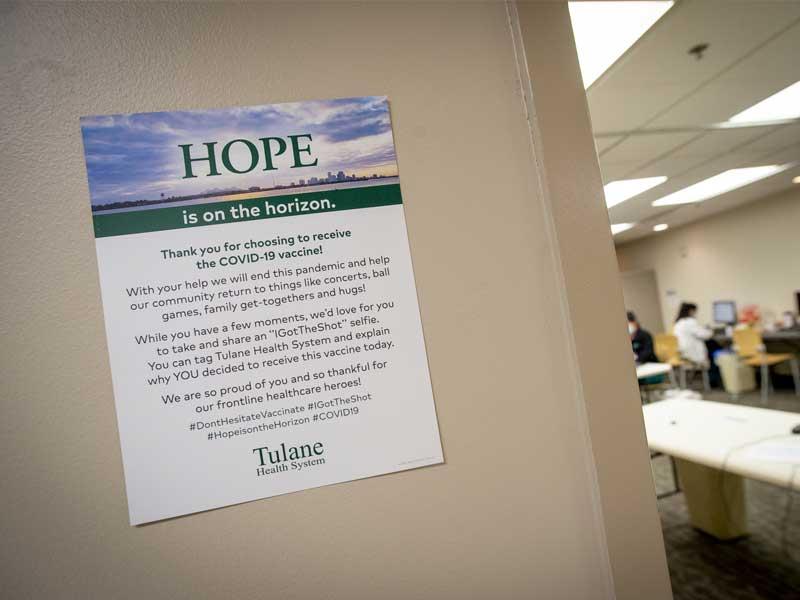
[[605, 30], [660, 227], [783, 105], [719, 184], [796, 179], [624, 189], [620, 227]]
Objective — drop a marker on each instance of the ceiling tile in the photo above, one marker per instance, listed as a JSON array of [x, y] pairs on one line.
[[687, 213], [720, 100], [658, 71], [781, 137], [612, 171], [669, 166], [721, 141], [603, 143], [647, 147], [753, 52], [762, 73]]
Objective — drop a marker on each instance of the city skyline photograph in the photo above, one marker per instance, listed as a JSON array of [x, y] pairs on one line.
[[139, 159]]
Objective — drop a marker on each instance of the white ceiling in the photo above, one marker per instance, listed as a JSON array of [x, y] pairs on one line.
[[653, 110]]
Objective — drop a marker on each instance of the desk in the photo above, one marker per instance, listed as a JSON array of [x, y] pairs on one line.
[[788, 337], [776, 342], [715, 445]]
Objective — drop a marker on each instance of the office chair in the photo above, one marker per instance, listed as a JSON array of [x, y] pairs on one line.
[[667, 351]]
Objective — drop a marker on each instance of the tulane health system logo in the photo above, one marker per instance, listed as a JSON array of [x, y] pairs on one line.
[[283, 458]]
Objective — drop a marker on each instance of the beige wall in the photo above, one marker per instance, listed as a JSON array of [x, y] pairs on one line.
[[640, 291], [604, 380], [748, 254], [514, 512]]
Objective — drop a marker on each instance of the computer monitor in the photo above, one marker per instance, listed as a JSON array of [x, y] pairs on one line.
[[725, 312]]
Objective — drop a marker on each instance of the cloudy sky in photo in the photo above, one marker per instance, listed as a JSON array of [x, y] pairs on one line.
[[136, 156]]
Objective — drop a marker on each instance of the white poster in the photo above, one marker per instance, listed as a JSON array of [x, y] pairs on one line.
[[260, 307]]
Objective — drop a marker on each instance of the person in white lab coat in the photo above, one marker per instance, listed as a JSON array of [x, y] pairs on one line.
[[691, 335]]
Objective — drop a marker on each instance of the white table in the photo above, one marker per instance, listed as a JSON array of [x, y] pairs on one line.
[[715, 445], [652, 369], [646, 370]]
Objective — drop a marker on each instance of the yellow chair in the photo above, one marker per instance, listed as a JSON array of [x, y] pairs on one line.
[[750, 347], [667, 350]]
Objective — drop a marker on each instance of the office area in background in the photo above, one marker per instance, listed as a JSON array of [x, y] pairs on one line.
[[502, 270], [702, 185]]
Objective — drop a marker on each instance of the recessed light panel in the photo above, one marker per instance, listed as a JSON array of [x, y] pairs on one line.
[[618, 191], [605, 30], [620, 227], [660, 227], [719, 184], [783, 105]]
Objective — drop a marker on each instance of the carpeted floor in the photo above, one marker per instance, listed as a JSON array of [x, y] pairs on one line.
[[765, 565]]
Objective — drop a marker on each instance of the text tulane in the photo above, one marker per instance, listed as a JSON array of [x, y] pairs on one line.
[[281, 458]]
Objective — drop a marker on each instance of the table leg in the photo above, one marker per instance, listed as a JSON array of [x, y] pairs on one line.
[[764, 383], [715, 500], [795, 375]]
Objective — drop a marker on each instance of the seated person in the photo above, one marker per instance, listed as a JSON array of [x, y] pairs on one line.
[[641, 341], [691, 335], [695, 343]]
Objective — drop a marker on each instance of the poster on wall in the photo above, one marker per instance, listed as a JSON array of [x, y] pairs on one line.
[[260, 308]]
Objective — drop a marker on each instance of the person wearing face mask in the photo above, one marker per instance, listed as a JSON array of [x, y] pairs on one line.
[[641, 341]]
